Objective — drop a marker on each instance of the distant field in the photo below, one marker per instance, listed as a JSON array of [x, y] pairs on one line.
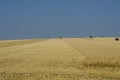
[[60, 59], [8, 43]]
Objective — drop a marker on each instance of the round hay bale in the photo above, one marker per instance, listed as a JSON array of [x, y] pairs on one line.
[[91, 36], [116, 39]]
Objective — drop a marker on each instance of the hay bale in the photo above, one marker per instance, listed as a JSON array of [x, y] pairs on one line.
[[91, 36], [60, 37], [116, 39]]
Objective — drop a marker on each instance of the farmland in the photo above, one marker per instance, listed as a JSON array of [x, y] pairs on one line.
[[60, 59]]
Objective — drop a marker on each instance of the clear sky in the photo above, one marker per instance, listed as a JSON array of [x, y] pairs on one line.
[[52, 18]]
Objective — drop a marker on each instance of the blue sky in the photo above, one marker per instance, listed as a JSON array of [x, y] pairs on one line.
[[52, 18]]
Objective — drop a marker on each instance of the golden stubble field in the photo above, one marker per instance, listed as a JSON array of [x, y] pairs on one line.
[[60, 59]]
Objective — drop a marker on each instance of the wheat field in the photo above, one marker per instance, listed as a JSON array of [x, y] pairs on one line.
[[60, 59]]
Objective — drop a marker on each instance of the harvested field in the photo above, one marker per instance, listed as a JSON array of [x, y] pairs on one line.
[[60, 59]]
